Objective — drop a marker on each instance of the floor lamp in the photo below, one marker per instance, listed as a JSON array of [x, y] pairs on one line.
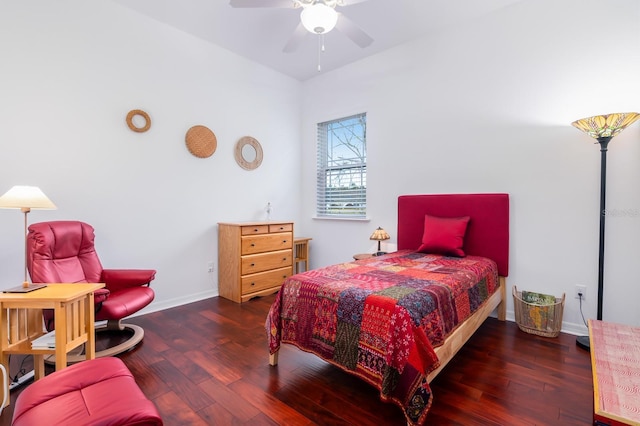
[[603, 128], [25, 198]]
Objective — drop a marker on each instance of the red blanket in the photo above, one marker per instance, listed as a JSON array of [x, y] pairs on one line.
[[380, 318]]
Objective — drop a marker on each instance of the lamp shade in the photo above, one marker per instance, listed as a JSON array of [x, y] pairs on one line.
[[25, 198], [606, 126], [319, 18], [379, 235]]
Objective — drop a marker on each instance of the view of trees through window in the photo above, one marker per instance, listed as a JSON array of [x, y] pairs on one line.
[[342, 167]]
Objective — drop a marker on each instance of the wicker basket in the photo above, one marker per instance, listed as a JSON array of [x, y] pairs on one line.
[[542, 320]]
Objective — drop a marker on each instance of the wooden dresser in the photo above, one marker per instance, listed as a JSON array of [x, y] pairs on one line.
[[254, 258]]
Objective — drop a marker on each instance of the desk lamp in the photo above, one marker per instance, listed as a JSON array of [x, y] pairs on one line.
[[379, 235], [25, 198]]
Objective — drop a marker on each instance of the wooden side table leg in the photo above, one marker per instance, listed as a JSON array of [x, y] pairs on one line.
[[5, 390], [4, 357], [89, 324], [60, 318], [38, 367]]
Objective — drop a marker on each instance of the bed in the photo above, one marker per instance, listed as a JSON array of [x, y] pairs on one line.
[[396, 320]]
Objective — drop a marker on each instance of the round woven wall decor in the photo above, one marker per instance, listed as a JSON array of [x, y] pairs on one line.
[[141, 113], [252, 157], [201, 141]]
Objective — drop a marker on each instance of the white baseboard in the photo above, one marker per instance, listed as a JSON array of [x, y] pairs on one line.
[[178, 301]]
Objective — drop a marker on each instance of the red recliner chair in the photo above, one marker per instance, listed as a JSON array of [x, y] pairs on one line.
[[63, 252]]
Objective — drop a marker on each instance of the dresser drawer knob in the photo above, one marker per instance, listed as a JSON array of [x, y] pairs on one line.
[[253, 283], [253, 244], [253, 264], [255, 230]]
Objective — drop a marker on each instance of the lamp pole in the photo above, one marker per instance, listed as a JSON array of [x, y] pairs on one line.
[[604, 143], [583, 341]]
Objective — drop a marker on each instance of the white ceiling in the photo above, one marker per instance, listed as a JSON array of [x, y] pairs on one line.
[[260, 34]]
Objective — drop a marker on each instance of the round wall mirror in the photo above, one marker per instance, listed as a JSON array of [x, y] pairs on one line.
[[248, 153]]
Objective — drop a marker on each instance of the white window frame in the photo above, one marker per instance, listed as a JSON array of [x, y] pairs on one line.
[[341, 185]]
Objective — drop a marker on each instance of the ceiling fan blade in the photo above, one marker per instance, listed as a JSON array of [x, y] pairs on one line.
[[296, 38], [349, 2], [262, 3], [351, 30]]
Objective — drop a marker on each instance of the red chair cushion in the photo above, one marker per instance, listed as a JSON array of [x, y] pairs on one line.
[[95, 392]]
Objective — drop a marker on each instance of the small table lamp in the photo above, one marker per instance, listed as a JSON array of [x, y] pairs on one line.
[[379, 235], [25, 198]]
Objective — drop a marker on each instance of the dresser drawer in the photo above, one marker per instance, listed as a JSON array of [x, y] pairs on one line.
[[254, 230], [252, 244], [264, 280], [266, 261], [281, 227]]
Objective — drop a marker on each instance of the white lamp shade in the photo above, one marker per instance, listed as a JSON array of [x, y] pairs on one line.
[[25, 197], [319, 18]]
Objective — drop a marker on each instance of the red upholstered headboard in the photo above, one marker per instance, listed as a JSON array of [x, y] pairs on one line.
[[488, 230]]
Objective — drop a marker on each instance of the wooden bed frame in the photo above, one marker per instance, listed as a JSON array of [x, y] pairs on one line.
[[459, 337], [487, 235]]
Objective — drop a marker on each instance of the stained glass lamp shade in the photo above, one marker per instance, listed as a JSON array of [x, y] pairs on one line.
[[379, 235]]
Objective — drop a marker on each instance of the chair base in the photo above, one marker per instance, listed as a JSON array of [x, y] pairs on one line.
[[78, 354]]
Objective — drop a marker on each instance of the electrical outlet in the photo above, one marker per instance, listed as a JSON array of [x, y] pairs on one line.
[[210, 267], [583, 290]]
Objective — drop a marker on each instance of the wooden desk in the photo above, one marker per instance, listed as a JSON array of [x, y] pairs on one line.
[[21, 322], [301, 253], [615, 365]]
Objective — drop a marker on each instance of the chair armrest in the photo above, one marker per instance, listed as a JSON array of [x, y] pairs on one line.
[[116, 279], [100, 295]]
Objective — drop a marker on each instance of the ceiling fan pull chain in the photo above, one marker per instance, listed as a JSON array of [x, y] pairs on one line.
[[320, 49]]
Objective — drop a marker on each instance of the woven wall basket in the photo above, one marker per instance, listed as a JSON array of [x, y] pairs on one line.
[[138, 112], [201, 142]]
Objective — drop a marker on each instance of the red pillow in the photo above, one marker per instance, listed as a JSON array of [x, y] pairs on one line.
[[444, 235]]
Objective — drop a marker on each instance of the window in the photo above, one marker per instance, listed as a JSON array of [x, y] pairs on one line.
[[342, 167]]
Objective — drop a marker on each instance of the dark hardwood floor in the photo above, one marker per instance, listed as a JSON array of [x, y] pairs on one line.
[[206, 363]]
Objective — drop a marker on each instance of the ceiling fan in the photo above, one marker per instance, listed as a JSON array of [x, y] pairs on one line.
[[317, 17]]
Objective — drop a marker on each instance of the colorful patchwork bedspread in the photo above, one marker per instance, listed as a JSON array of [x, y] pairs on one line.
[[381, 317]]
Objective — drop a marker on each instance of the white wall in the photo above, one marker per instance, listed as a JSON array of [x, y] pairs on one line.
[[70, 71], [486, 107]]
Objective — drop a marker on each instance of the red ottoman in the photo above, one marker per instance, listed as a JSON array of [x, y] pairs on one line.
[[101, 391]]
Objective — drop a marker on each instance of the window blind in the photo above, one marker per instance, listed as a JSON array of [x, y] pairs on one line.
[[342, 168]]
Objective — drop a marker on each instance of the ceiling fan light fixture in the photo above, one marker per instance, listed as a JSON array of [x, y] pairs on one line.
[[319, 18]]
